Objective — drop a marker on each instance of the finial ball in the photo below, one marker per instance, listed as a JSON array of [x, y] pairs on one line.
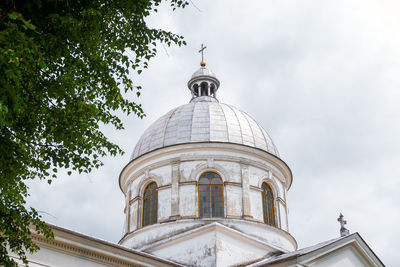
[[203, 64]]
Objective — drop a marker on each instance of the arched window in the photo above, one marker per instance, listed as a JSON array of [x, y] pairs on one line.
[[204, 88], [212, 88], [211, 195], [196, 89], [150, 204], [268, 205]]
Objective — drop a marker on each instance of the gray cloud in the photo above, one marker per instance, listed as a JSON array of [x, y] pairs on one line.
[[322, 77]]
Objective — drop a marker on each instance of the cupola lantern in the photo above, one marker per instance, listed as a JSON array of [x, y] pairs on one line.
[[203, 83]]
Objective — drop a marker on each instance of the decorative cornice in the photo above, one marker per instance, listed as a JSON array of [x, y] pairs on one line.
[[244, 163], [81, 252], [145, 159], [96, 250], [175, 161]]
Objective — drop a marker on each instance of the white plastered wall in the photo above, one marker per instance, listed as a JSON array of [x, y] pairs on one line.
[[234, 201], [187, 200], [188, 165]]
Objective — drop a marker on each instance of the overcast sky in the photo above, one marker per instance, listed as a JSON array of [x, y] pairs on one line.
[[322, 78]]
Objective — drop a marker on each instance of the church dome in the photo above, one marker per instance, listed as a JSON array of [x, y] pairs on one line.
[[203, 71], [202, 175], [204, 119]]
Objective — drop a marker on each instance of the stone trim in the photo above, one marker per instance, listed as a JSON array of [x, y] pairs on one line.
[[188, 183], [252, 187], [146, 180], [82, 252], [279, 168], [272, 183], [164, 187], [232, 183], [175, 217], [281, 200], [233, 217], [189, 217], [170, 219], [96, 250], [203, 167], [239, 160], [134, 199]]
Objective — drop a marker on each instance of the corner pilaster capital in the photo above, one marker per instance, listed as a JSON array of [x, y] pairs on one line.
[[244, 164], [175, 162]]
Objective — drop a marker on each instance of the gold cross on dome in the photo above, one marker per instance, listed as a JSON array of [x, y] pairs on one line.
[[202, 52]]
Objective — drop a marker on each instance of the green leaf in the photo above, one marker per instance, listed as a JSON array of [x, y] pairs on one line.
[[14, 15], [64, 69]]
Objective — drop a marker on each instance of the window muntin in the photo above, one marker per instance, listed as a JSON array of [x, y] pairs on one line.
[[211, 195], [150, 204], [268, 205]]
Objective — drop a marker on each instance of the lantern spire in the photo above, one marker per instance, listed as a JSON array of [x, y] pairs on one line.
[[203, 84], [202, 63]]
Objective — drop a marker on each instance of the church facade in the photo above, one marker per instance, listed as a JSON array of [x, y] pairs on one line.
[[205, 187]]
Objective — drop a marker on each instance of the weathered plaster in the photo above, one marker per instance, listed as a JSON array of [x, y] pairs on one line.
[[213, 244], [256, 205], [234, 201], [134, 218], [187, 200], [176, 171], [164, 204]]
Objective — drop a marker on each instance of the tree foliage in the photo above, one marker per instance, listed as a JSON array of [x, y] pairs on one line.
[[64, 69]]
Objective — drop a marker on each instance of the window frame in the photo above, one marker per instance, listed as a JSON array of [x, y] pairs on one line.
[[144, 198], [265, 205], [210, 185]]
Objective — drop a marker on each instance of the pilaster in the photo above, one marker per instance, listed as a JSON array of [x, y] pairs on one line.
[[175, 177], [246, 191], [128, 211]]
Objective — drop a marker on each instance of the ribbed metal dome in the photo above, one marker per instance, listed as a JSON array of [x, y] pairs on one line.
[[206, 120]]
